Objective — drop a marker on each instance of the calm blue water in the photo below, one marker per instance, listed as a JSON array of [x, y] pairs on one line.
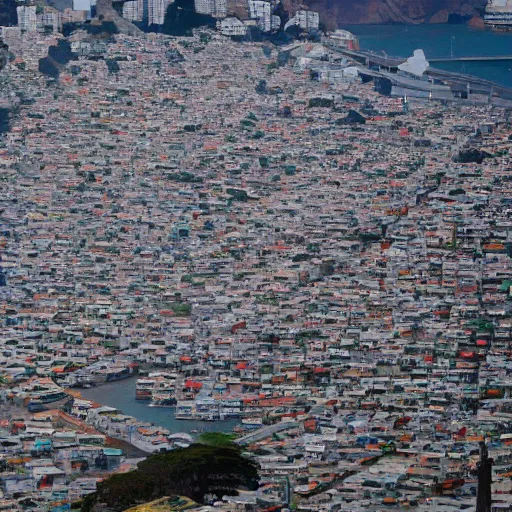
[[442, 41], [121, 395]]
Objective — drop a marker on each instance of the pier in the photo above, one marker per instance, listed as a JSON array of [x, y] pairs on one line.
[[384, 60]]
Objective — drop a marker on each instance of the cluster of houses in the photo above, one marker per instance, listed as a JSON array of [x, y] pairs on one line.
[[327, 266]]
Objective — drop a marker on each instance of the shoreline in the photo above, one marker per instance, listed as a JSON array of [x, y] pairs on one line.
[[441, 41], [163, 417]]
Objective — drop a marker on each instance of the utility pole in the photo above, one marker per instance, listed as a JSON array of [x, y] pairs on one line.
[[484, 472]]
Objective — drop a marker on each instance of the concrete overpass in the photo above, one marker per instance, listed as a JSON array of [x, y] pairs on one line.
[[263, 433], [489, 58]]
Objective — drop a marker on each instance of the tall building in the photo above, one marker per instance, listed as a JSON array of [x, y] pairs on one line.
[[262, 12], [50, 20], [27, 18], [259, 9], [308, 19], [215, 8], [203, 6], [156, 11], [83, 5], [134, 10], [305, 20]]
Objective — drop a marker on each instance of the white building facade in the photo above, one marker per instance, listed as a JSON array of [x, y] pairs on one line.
[[156, 11], [215, 8], [134, 10], [27, 18], [232, 27]]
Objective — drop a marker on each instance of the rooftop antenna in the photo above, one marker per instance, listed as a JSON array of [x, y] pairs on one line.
[[405, 104]]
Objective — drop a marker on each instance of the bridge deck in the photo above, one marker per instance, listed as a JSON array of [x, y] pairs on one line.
[[489, 58]]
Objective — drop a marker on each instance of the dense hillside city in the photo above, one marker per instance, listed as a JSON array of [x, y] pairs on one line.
[[345, 11], [249, 273]]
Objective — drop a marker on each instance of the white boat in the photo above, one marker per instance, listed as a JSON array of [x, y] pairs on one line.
[[498, 14]]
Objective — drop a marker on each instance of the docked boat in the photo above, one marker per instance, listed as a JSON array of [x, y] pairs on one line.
[[204, 409], [498, 14], [159, 387], [119, 374], [253, 421], [163, 399], [113, 373], [144, 389], [46, 400]]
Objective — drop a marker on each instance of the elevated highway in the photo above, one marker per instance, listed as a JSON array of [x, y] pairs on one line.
[[489, 58]]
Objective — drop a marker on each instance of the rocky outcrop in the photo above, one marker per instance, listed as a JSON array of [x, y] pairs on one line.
[[4, 55], [4, 95], [342, 12], [106, 12], [477, 22]]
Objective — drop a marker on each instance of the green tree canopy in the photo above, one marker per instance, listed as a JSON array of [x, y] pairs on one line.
[[217, 439], [193, 472]]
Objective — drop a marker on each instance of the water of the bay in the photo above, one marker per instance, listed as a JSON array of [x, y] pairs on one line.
[[121, 395], [440, 41]]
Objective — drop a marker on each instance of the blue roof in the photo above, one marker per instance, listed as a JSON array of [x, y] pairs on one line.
[[112, 451]]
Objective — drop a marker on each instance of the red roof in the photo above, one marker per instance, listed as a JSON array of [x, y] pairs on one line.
[[193, 385]]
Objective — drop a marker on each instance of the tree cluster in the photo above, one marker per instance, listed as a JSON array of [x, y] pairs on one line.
[[196, 471]]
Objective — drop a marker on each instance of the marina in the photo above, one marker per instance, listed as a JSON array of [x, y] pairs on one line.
[[121, 395]]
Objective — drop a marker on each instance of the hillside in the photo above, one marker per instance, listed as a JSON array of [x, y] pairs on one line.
[[341, 12], [389, 11]]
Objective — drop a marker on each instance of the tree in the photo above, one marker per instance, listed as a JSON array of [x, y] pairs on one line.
[[217, 439], [193, 472]]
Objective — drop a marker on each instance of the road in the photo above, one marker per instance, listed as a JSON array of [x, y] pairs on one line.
[[265, 432]]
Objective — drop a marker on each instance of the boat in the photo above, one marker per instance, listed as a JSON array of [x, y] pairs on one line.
[[498, 14], [159, 387], [205, 409], [113, 374], [44, 401], [163, 399], [144, 389], [253, 421], [118, 374]]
